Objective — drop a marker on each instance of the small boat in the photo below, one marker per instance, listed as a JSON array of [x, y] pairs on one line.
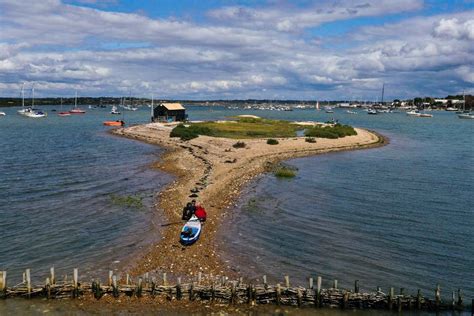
[[351, 112], [468, 116], [76, 110], [31, 111], [413, 113], [3, 113], [115, 110], [114, 123], [62, 113], [191, 231], [372, 112], [328, 109]]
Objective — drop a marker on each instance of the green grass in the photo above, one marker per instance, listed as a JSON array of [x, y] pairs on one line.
[[333, 132], [248, 128], [272, 141]]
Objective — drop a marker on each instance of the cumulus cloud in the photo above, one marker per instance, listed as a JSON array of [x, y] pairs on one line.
[[241, 52]]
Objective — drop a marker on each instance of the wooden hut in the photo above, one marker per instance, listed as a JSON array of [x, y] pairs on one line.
[[169, 112]]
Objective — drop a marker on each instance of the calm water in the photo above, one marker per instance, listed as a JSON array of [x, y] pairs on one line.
[[58, 176], [401, 215]]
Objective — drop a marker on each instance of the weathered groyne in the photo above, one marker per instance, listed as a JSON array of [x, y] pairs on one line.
[[220, 290]]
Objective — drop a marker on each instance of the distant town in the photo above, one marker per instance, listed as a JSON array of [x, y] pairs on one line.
[[446, 103]]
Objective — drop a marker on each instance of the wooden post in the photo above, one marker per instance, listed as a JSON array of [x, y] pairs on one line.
[[241, 280], [345, 300], [379, 289], [111, 273], [437, 297], [249, 294], [75, 277], [153, 286], [52, 277], [139, 287], [278, 294], [335, 285], [232, 294], [287, 281], [146, 277], [97, 289], [47, 288], [28, 282], [115, 290], [127, 279], [459, 304], [179, 293], [165, 281], [191, 292], [390, 298], [318, 291], [299, 297], [213, 292], [453, 301], [265, 285], [399, 303], [310, 283], [356, 286], [418, 300], [199, 277], [223, 280], [3, 284]]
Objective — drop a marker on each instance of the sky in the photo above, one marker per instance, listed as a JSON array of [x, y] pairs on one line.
[[274, 49]]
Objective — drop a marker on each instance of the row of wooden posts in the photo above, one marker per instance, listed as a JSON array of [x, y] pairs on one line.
[[232, 292]]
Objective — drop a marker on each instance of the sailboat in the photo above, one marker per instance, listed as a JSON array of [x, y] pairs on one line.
[[465, 114], [317, 106], [31, 111], [129, 107], [76, 110], [62, 113]]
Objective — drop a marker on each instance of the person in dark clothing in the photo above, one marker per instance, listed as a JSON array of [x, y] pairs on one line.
[[193, 206], [187, 212]]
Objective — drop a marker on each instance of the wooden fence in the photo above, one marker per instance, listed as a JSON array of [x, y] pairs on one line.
[[222, 290]]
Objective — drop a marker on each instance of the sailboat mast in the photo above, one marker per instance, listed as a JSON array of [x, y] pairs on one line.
[[33, 97], [383, 91], [75, 100], [23, 95], [152, 107]]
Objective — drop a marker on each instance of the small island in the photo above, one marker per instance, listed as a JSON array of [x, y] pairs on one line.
[[212, 162]]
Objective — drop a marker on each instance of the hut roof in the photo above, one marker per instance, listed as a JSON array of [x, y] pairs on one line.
[[173, 106]]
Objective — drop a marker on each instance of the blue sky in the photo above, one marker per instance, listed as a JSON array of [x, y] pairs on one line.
[[238, 49]]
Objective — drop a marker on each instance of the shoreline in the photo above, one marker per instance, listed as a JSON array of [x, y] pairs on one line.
[[219, 172]]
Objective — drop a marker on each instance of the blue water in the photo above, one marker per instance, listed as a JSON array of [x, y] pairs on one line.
[[58, 179], [396, 216]]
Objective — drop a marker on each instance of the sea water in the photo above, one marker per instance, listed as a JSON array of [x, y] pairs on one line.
[[397, 216], [63, 183]]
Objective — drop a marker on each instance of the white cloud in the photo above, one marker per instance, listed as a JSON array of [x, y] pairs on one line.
[[242, 52]]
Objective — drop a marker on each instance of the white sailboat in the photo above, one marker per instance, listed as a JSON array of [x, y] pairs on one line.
[[317, 106], [31, 111], [465, 114]]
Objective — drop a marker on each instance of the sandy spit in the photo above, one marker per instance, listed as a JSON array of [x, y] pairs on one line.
[[219, 172]]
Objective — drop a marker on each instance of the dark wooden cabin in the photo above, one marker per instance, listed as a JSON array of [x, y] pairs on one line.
[[169, 112]]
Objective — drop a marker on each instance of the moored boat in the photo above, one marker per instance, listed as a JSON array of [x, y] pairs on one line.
[[114, 123], [468, 116], [3, 113], [115, 110], [76, 110], [191, 231]]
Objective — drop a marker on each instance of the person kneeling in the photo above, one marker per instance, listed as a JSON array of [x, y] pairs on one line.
[[200, 213]]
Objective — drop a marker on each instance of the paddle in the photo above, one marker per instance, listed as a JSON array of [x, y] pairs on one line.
[[168, 224]]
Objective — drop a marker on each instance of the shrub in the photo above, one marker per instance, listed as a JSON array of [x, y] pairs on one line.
[[239, 145], [285, 172], [331, 132], [183, 132], [272, 141], [310, 140]]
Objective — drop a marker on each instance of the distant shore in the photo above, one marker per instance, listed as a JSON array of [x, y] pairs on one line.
[[219, 172]]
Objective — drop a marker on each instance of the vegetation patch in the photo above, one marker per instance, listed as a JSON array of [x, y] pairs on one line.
[[132, 201], [310, 140], [272, 141], [247, 127], [281, 170], [239, 145], [189, 132], [332, 132]]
